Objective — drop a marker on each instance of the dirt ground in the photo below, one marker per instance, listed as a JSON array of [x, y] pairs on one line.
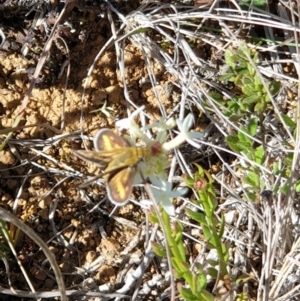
[[41, 178], [37, 183]]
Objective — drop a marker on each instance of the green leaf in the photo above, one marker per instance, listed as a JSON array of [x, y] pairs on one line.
[[159, 249], [208, 235], [298, 186], [252, 126], [259, 155], [229, 76], [253, 179], [243, 138], [230, 58], [178, 273], [236, 117], [257, 3], [260, 107], [153, 218], [207, 296], [274, 87], [199, 282], [187, 294], [232, 141], [288, 160], [201, 172], [288, 121], [197, 216], [183, 267], [178, 240], [245, 145], [250, 196], [222, 226], [213, 272], [285, 188], [212, 201], [189, 181], [241, 70], [233, 107], [251, 99], [217, 97], [242, 278], [249, 90], [276, 168], [225, 248], [252, 72]]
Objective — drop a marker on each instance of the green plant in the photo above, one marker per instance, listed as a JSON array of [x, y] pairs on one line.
[[213, 229], [250, 95], [246, 111], [256, 3], [196, 278], [244, 143]]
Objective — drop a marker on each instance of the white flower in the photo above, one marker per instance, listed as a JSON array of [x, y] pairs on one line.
[[153, 167], [184, 134], [163, 193]]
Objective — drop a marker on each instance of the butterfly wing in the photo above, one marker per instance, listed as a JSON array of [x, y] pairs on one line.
[[119, 185], [99, 158], [107, 140], [120, 160], [114, 159]]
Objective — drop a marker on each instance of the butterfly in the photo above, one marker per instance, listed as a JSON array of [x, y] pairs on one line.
[[119, 161]]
